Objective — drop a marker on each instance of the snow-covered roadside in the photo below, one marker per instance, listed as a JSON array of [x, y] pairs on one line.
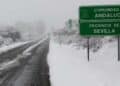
[[108, 53], [69, 67]]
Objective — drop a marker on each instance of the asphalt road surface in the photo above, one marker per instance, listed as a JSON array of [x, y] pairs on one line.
[[29, 69]]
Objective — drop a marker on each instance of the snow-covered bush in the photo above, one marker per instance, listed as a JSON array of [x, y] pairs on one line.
[[71, 36], [9, 35]]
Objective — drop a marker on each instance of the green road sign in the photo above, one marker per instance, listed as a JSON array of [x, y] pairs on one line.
[[99, 20]]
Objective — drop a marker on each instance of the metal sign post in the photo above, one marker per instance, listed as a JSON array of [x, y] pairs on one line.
[[118, 48], [88, 49]]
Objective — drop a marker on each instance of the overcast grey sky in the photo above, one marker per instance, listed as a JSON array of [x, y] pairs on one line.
[[52, 12]]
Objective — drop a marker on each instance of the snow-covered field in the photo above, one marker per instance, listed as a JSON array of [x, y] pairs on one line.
[[69, 66], [108, 53]]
